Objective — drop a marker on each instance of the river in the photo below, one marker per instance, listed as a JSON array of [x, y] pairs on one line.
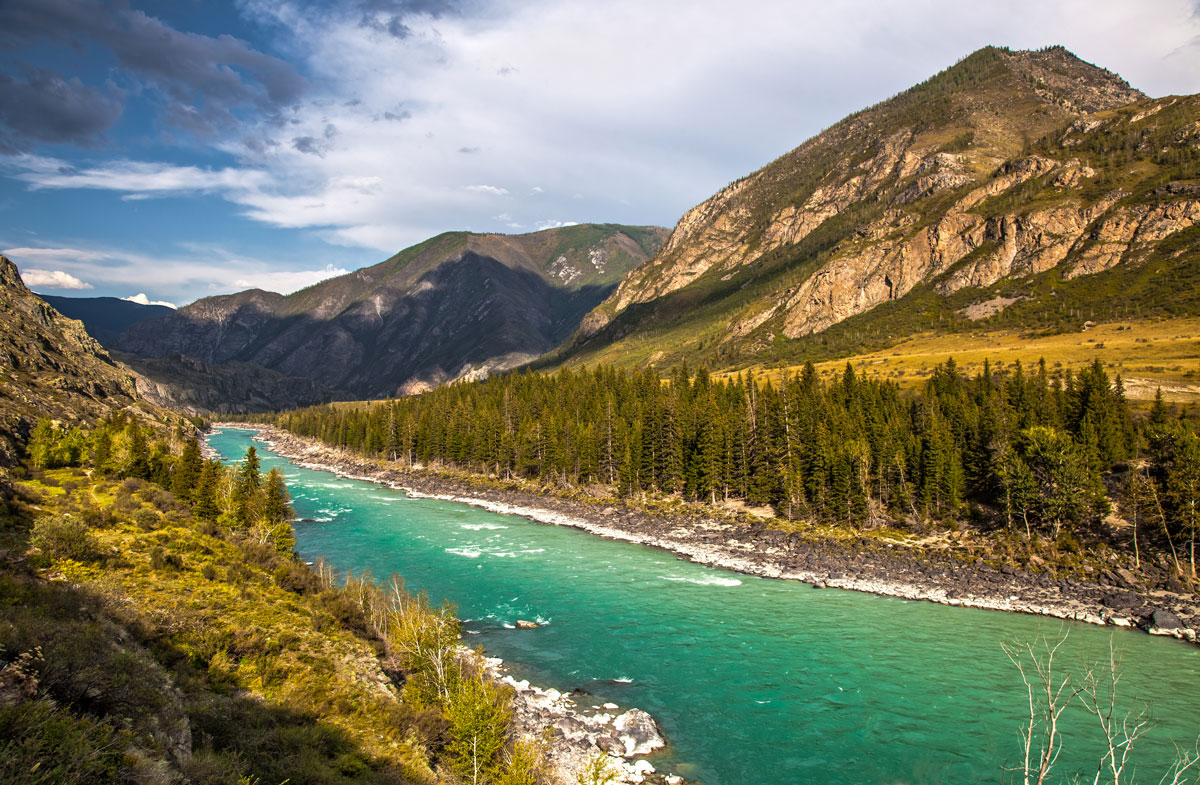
[[752, 680]]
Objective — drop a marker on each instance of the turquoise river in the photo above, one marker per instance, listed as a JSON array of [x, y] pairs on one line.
[[752, 680]]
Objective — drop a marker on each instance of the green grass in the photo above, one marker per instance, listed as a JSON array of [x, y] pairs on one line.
[[166, 626]]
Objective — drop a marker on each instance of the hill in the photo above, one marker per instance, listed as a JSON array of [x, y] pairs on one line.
[[1015, 189], [49, 367], [105, 317], [459, 305]]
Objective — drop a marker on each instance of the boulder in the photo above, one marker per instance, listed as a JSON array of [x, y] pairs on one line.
[[1121, 601], [1160, 619], [638, 732], [522, 624]]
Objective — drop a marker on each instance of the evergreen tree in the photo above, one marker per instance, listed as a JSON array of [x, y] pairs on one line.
[[186, 471], [137, 459]]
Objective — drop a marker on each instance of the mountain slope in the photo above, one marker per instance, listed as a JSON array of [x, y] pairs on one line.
[[49, 366], [458, 305], [105, 317], [1000, 173]]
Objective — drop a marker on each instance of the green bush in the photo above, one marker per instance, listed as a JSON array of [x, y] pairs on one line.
[[42, 745], [64, 537], [147, 519]]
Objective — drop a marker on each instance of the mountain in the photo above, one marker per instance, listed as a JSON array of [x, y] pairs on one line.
[[105, 317], [192, 386], [49, 366], [1016, 187], [459, 305]]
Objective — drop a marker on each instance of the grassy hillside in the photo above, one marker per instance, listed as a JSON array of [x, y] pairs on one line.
[[155, 637]]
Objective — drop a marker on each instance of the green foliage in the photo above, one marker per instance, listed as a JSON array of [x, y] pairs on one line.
[[52, 445], [257, 662], [854, 451], [478, 713], [597, 771], [41, 744], [64, 537]]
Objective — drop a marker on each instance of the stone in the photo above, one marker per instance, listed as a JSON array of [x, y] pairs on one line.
[[1121, 600], [638, 732], [522, 624], [1160, 619]]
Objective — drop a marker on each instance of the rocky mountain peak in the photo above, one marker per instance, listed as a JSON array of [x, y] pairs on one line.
[[1058, 75], [998, 168]]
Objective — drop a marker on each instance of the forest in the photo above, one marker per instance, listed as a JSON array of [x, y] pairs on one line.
[[1042, 456]]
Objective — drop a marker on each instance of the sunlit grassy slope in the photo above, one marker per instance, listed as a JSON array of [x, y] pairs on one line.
[[1147, 355]]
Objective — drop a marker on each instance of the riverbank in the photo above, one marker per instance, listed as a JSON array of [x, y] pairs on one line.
[[1113, 599]]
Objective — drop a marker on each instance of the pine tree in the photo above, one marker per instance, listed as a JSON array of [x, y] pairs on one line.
[[137, 460], [186, 472]]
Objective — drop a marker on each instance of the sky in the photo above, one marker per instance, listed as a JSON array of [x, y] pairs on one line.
[[174, 149]]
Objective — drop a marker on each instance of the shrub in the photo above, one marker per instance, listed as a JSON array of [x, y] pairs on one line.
[[63, 537], [98, 517], [297, 577], [43, 744], [130, 486], [147, 519], [161, 560]]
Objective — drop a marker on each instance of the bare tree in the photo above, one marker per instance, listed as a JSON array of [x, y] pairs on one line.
[[1049, 695], [1050, 692]]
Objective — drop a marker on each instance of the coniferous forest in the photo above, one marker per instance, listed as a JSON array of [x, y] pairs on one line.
[[1042, 455]]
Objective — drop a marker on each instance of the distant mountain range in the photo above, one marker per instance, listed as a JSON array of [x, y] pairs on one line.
[[1019, 188], [459, 305], [105, 317]]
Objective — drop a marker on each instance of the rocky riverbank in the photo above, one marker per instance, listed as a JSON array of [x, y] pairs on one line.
[[1113, 597]]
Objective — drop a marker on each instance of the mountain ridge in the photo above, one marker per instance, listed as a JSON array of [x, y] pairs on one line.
[[458, 305], [944, 175]]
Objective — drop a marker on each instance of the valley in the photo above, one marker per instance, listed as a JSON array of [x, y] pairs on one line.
[[791, 492]]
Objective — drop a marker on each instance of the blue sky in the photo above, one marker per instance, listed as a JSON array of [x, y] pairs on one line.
[[182, 148]]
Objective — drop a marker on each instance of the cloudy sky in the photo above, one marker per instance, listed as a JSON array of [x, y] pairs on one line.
[[180, 148]]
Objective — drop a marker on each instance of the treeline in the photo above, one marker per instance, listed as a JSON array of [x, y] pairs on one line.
[[1028, 451], [240, 500]]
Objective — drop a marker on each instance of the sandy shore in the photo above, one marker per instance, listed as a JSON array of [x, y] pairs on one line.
[[1111, 599]]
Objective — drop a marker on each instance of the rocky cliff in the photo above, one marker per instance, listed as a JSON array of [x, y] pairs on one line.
[[459, 305], [49, 366], [1006, 167]]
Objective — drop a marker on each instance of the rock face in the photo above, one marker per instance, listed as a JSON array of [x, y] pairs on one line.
[[191, 386], [994, 171], [49, 366], [457, 306]]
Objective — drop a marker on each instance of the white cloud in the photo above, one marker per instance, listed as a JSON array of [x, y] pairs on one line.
[[631, 113], [51, 279], [141, 299], [141, 179], [288, 281], [200, 272], [540, 225]]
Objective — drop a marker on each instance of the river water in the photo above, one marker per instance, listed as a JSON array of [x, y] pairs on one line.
[[753, 680]]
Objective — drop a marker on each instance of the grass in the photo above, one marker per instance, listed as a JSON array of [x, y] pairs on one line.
[[1147, 354], [165, 623]]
